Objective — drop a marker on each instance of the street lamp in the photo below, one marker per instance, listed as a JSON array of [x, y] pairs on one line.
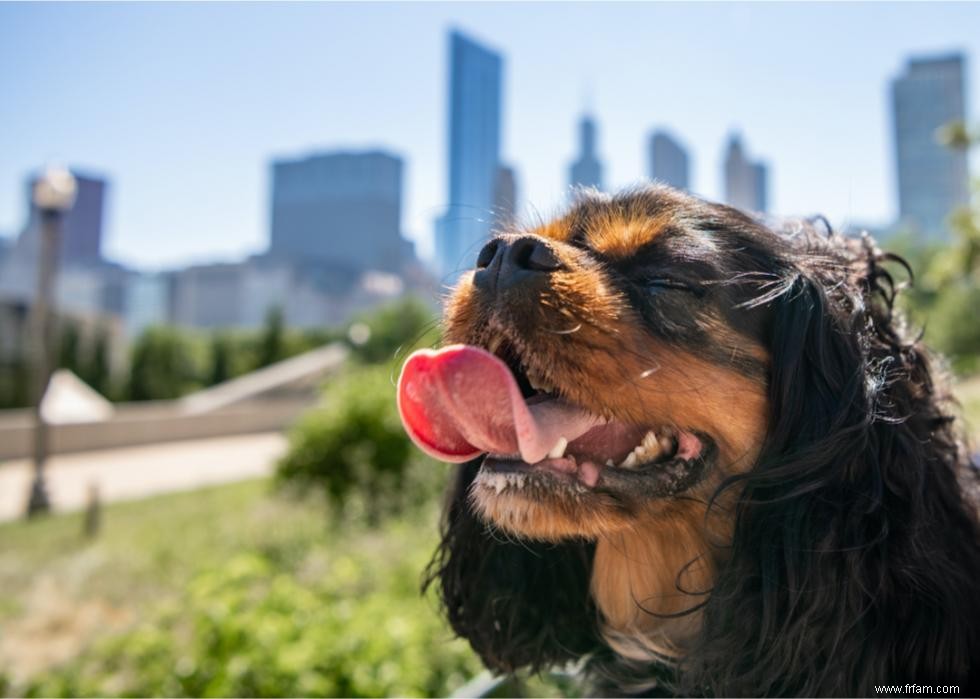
[[53, 196]]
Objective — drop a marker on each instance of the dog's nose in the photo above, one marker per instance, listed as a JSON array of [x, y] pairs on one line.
[[503, 263]]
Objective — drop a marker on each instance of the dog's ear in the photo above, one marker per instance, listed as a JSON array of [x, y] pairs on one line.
[[520, 604], [852, 543]]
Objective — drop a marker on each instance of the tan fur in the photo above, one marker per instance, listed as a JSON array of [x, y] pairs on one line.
[[662, 565], [619, 236]]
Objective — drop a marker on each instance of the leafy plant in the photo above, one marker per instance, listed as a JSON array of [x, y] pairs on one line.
[[249, 629], [353, 447]]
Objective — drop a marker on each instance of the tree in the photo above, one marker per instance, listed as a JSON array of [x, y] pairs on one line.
[[96, 370], [271, 341], [963, 263], [948, 288], [162, 365], [69, 346], [220, 359]]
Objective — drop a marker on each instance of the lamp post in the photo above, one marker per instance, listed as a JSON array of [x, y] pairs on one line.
[[53, 196]]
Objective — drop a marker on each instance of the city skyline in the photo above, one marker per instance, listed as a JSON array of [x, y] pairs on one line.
[[183, 194]]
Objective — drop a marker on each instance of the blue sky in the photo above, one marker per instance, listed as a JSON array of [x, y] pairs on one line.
[[183, 105]]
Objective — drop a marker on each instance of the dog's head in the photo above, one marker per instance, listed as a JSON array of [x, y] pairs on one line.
[[638, 357], [678, 417]]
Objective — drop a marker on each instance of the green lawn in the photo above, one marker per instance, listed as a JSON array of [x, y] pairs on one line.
[[223, 591]]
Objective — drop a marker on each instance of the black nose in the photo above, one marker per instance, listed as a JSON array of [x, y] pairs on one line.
[[503, 262]]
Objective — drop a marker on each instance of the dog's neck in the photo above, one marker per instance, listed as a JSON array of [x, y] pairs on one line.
[[644, 577]]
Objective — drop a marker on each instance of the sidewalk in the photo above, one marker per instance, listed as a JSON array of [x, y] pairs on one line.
[[136, 472]]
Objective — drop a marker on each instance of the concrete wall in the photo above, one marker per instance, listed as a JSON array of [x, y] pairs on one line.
[[147, 423]]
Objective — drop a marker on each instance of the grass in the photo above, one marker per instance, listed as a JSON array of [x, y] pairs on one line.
[[151, 547], [63, 594]]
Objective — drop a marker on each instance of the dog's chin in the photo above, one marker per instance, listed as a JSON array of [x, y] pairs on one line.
[[570, 497]]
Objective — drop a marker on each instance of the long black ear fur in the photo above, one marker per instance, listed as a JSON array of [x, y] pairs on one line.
[[520, 604], [855, 559]]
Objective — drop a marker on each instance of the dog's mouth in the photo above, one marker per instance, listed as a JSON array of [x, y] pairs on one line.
[[461, 402]]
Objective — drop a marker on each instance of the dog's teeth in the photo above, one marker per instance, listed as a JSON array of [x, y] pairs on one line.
[[649, 449], [558, 450], [667, 444], [609, 462], [649, 440]]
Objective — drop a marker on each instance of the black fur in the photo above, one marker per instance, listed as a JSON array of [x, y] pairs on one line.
[[521, 604], [856, 553]]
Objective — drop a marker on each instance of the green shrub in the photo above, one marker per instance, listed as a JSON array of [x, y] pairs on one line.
[[344, 629], [353, 447], [163, 365]]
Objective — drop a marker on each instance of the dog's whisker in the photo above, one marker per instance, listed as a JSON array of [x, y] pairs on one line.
[[569, 331], [646, 373]]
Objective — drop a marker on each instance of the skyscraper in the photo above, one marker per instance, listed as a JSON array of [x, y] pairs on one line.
[[669, 161], [586, 171], [932, 179], [342, 208], [475, 75], [504, 196], [760, 177], [746, 182]]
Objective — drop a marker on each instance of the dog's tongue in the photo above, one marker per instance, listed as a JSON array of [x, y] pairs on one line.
[[461, 401]]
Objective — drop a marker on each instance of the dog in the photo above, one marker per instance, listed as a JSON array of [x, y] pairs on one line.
[[699, 453]]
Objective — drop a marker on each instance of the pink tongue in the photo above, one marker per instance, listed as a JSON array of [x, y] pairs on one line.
[[461, 401]]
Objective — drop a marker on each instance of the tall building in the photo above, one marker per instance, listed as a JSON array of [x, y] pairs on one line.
[[341, 208], [475, 76], [746, 182], [932, 179], [504, 197], [586, 171], [669, 162], [760, 179]]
